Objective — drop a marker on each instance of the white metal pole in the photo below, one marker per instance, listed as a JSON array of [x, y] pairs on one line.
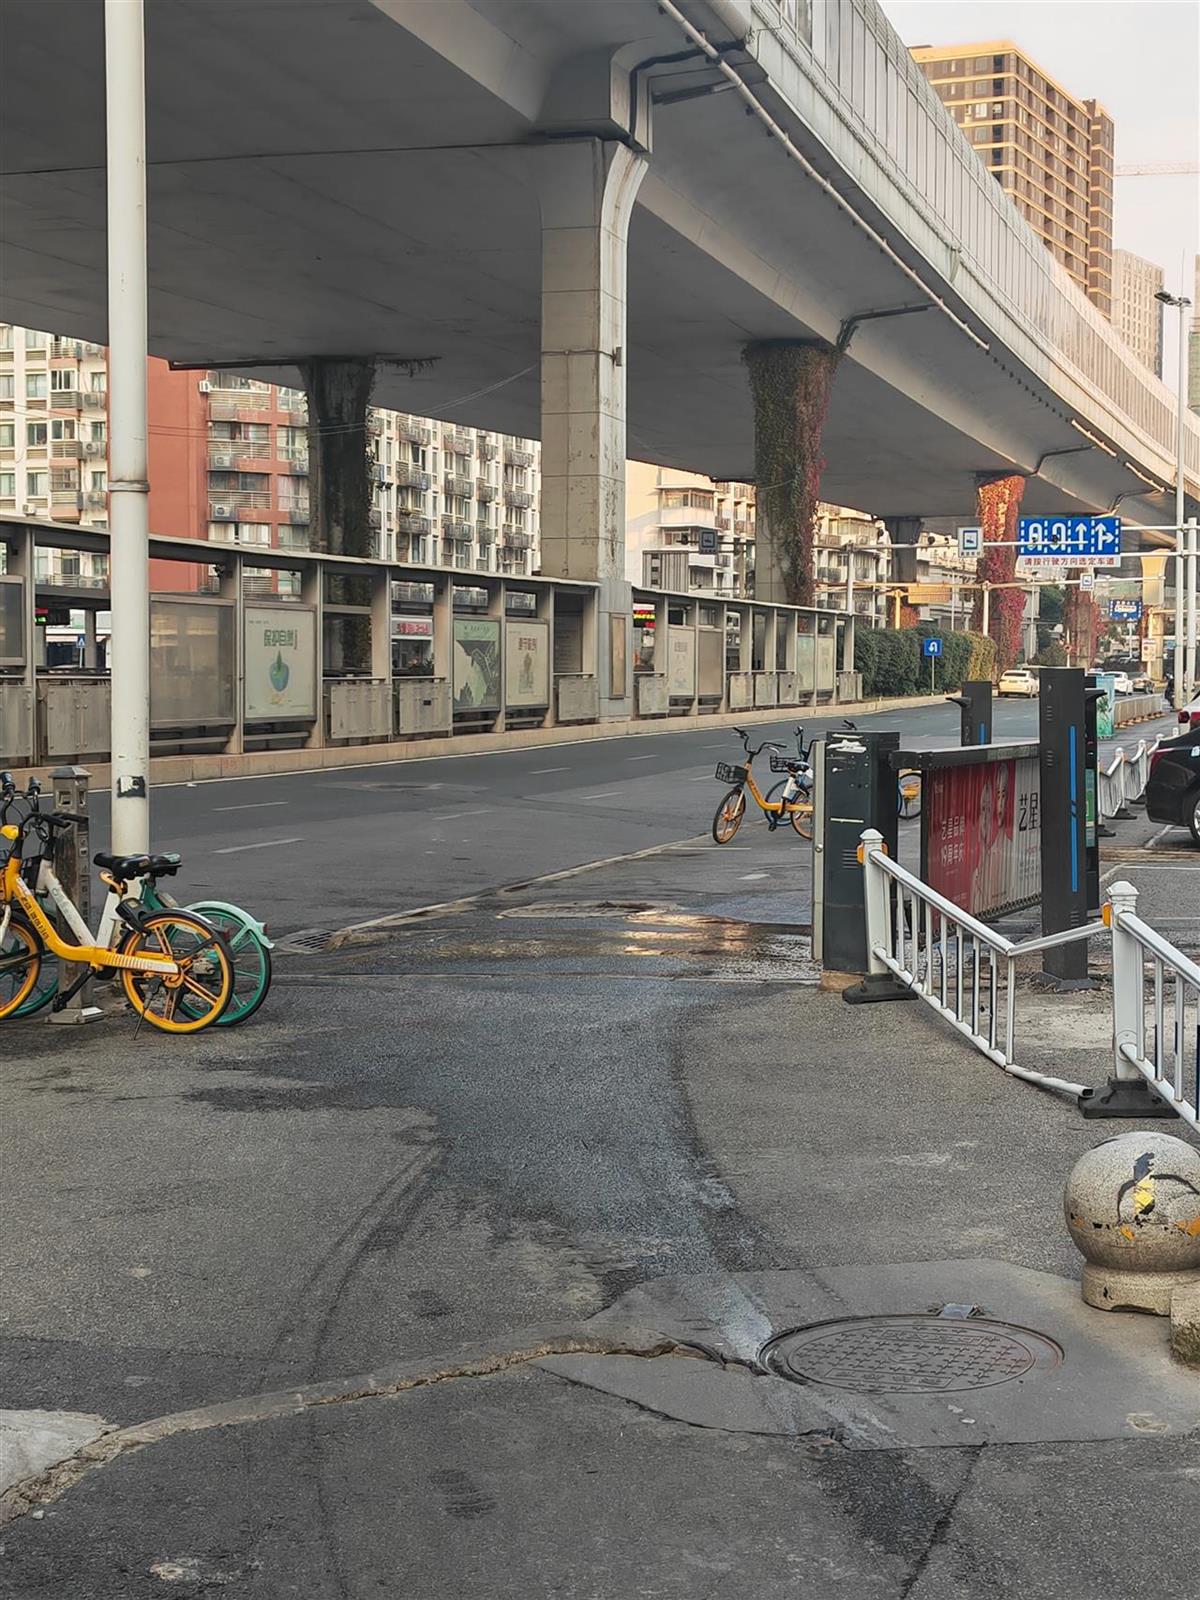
[[1127, 989], [875, 889], [987, 607], [128, 486]]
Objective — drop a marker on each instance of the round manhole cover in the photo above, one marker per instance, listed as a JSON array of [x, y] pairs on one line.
[[910, 1355]]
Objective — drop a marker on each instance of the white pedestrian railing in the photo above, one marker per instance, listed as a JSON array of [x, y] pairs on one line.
[[1156, 1006], [1124, 779], [967, 972]]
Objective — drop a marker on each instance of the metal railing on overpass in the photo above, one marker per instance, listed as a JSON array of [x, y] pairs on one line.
[[256, 648], [986, 251]]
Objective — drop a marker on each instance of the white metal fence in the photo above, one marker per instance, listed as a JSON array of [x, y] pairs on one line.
[[1125, 778], [967, 972]]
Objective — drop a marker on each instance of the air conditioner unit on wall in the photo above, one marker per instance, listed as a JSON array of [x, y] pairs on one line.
[[222, 513], [204, 386]]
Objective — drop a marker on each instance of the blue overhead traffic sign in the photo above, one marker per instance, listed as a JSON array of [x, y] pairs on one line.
[[1070, 541], [931, 647], [1125, 610]]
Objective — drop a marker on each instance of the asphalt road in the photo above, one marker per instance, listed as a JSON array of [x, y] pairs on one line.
[[327, 849], [503, 1117]]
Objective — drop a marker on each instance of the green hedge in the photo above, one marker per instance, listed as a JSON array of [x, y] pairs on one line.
[[891, 662]]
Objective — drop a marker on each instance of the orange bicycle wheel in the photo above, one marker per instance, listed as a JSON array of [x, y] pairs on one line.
[[20, 964], [205, 974], [729, 816]]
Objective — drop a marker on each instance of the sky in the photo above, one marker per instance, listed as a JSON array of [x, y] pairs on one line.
[[1141, 60]]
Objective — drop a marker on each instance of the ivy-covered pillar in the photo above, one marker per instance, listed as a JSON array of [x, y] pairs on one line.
[[997, 505], [791, 384], [339, 482], [1081, 621], [340, 494]]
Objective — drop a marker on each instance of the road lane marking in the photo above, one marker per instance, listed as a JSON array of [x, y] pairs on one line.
[[540, 771], [605, 794], [650, 757], [263, 844], [253, 805], [453, 816], [746, 876], [1161, 834]]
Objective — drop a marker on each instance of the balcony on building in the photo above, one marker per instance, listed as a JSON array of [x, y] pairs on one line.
[[463, 487], [516, 457], [458, 441], [407, 476], [66, 449], [484, 490], [516, 538], [485, 533], [95, 499], [488, 448], [65, 505], [66, 349], [455, 528], [414, 432], [409, 522], [520, 499], [65, 399], [225, 507], [294, 510]]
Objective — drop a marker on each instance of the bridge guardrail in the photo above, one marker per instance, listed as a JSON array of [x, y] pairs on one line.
[[1124, 779]]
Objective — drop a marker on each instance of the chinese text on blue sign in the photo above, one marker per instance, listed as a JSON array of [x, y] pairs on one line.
[[1070, 541]]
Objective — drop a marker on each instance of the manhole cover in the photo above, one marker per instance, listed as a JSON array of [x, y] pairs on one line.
[[910, 1355]]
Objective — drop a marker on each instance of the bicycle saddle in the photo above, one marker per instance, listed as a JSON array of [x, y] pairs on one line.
[[161, 866]]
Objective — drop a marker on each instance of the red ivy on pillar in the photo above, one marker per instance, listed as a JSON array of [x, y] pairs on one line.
[[1081, 623], [997, 504], [791, 385]]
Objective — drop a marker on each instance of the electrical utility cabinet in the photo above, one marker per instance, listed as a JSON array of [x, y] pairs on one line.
[[855, 790]]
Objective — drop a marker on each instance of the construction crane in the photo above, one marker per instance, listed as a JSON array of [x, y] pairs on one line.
[[1165, 169]]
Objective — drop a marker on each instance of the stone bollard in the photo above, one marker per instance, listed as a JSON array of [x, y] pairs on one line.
[[1133, 1211]]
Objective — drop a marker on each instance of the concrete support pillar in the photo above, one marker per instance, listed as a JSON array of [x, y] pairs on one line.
[[381, 623], [497, 610], [997, 505], [339, 482], [848, 628], [230, 587], [443, 629], [91, 661], [312, 593], [587, 189], [905, 534], [791, 384], [22, 563]]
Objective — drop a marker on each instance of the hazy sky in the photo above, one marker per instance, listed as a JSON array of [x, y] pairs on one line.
[[1141, 59]]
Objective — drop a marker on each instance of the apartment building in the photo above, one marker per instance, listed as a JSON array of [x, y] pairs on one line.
[[229, 461], [1137, 315], [54, 433], [1050, 151], [852, 562], [688, 533]]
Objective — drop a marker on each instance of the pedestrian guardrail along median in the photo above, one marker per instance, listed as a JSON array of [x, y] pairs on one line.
[[967, 972]]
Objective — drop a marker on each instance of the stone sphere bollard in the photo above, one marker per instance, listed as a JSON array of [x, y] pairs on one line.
[[1133, 1210]]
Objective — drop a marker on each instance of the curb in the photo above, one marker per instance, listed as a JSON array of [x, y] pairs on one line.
[[166, 770]]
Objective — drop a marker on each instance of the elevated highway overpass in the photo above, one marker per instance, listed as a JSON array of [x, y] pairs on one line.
[[347, 177]]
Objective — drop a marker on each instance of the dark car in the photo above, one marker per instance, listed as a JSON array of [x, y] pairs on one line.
[[1173, 792]]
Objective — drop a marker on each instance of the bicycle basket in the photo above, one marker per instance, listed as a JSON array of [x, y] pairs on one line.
[[784, 763], [727, 774]]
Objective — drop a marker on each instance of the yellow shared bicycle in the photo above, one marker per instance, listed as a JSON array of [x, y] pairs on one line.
[[792, 805], [176, 970]]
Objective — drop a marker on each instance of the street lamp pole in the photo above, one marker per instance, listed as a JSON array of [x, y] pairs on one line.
[[1185, 560], [128, 486]]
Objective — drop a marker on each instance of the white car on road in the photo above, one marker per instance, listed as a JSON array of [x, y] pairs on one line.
[[1018, 681]]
